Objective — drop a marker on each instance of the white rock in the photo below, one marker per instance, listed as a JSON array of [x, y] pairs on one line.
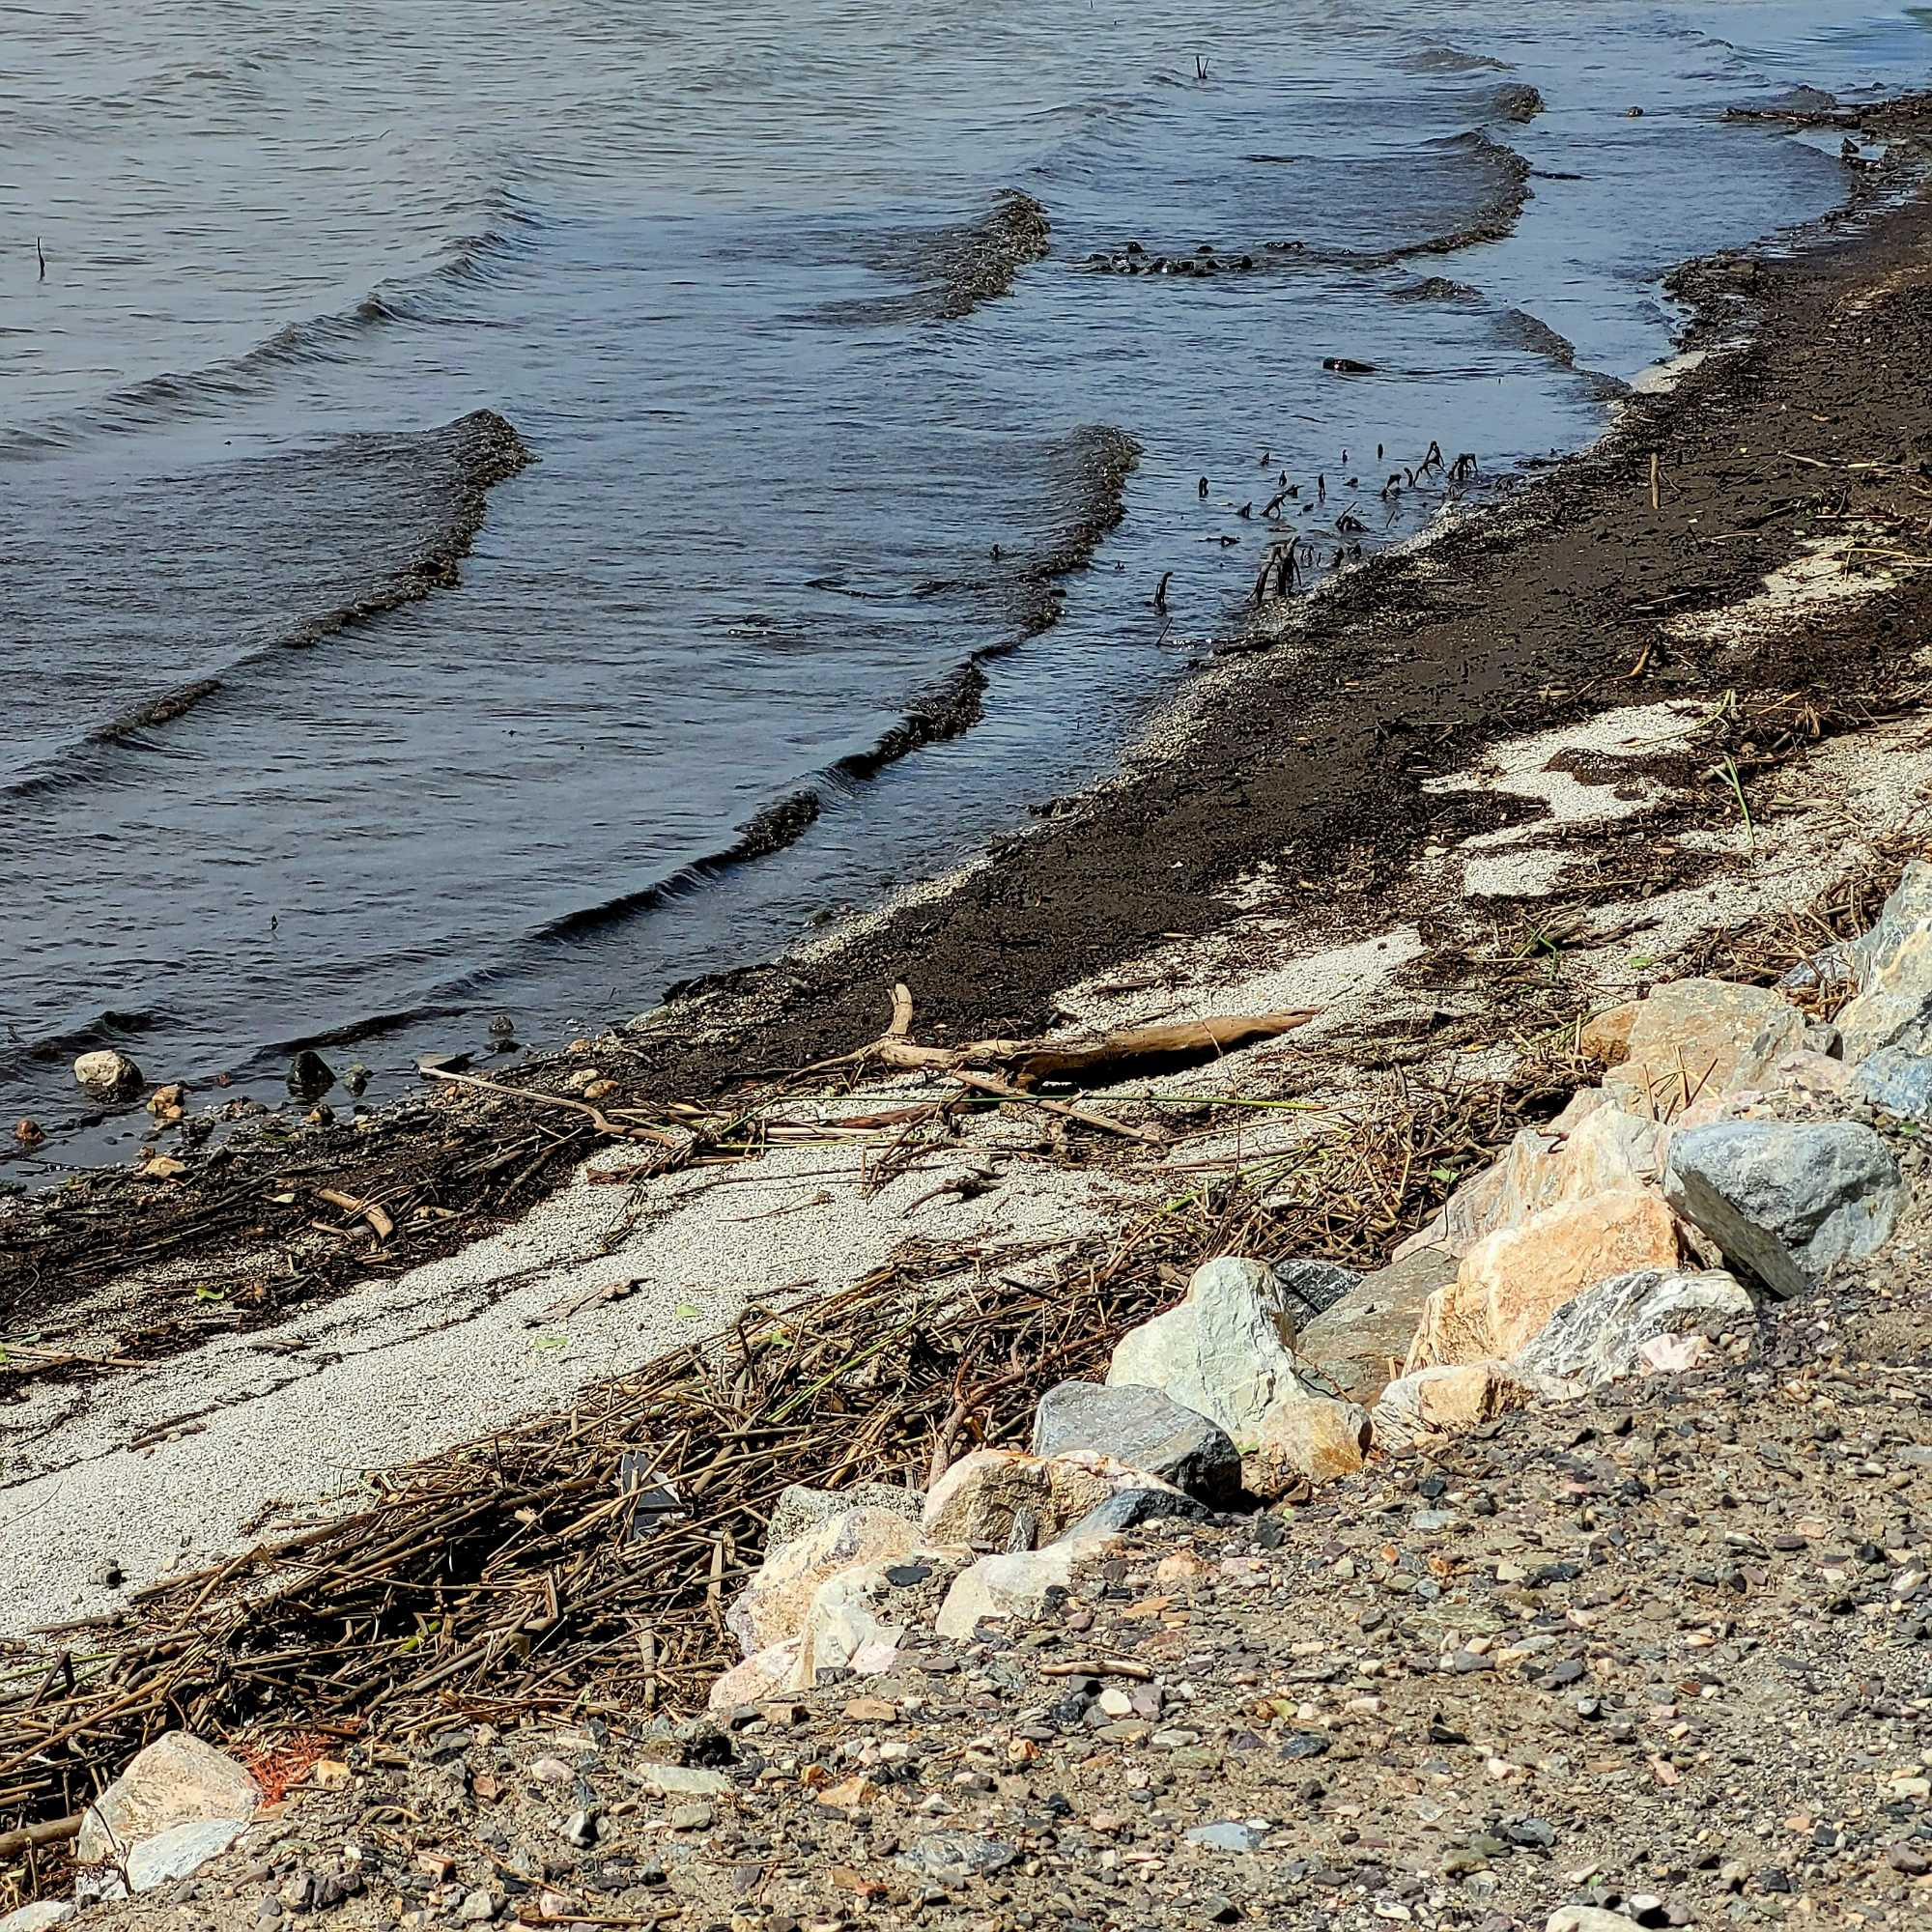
[[1021, 1585], [773, 1605], [1588, 1918], [1891, 966], [1228, 1351], [1605, 1333], [765, 1673], [40, 1917], [842, 1628], [177, 1780], [108, 1075], [180, 1850]]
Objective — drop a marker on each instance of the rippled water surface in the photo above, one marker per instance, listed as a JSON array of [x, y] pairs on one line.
[[331, 718]]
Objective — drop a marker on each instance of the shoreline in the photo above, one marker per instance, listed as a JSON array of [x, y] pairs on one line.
[[1166, 857]]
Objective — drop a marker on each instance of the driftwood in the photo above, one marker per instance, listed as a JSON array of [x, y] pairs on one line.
[[1009, 1069]]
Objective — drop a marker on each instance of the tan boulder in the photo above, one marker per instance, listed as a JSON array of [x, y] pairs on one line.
[[1695, 1038], [772, 1605], [1511, 1282], [1315, 1441], [1591, 1147], [1449, 1396], [1014, 1502], [1362, 1339], [764, 1674], [1604, 1038], [177, 1780]]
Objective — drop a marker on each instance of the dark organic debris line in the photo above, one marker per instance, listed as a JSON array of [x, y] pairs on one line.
[[509, 1577]]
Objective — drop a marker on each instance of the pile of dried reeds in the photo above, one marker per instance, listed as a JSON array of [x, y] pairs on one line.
[[541, 1573]]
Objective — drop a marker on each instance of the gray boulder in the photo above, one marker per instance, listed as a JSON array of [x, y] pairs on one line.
[[1128, 1509], [1600, 1337], [1786, 1203], [1362, 1341], [1313, 1287], [1144, 1428], [799, 1507], [1227, 1352], [179, 1851], [1897, 1081], [1891, 966]]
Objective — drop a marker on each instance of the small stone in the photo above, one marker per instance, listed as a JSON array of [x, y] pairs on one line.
[[691, 1817], [106, 1576], [954, 1857], [683, 1781], [478, 1908], [1588, 1918], [1229, 1835]]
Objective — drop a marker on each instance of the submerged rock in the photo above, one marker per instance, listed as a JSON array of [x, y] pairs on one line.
[[1144, 1428], [1786, 1203], [310, 1076], [107, 1073]]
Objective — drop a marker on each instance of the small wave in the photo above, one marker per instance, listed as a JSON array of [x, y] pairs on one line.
[[1090, 468], [1454, 60], [111, 1028], [1435, 288], [176, 395], [952, 270], [479, 451]]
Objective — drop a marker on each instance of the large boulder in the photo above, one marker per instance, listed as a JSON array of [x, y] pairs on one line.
[[178, 1851], [1786, 1201], [107, 1074], [801, 1508], [1227, 1352], [1312, 1442], [1511, 1282], [1694, 1039], [1603, 1334], [1014, 1502], [1144, 1428], [1892, 967], [773, 1605], [1363, 1340], [177, 1780], [1590, 1147], [765, 1673]]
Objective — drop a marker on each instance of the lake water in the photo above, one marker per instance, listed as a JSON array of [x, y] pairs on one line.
[[854, 476]]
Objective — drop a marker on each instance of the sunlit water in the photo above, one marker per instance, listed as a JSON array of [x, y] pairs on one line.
[[802, 454]]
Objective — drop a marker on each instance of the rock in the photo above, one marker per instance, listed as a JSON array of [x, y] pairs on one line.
[[40, 1917], [1229, 1835], [1599, 1336], [1142, 1428], [1588, 1918], [842, 1630], [1313, 1287], [310, 1076], [107, 1575], [1227, 1352], [177, 1780], [1363, 1340], [763, 1674], [108, 1075], [1896, 1082], [773, 1605], [1317, 1440], [1892, 967], [1012, 1500], [1452, 1397], [953, 1856], [1511, 1282], [478, 1908], [1695, 1038], [180, 1850], [1128, 1509], [1022, 1585], [1786, 1203], [1604, 1038], [683, 1781], [801, 1508]]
